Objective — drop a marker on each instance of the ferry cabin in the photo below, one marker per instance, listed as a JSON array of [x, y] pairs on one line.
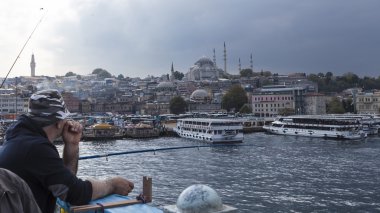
[[210, 130], [102, 131]]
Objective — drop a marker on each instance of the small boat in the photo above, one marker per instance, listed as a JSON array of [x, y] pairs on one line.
[[323, 126], [210, 130], [141, 130], [102, 131]]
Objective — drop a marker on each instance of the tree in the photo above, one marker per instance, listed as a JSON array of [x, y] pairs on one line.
[[177, 105], [335, 106], [234, 99], [348, 105], [178, 75], [68, 74], [246, 73], [267, 73], [351, 78], [120, 76], [245, 109], [101, 73], [329, 75]]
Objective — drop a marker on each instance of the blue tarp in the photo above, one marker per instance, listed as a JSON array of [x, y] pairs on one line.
[[141, 208]]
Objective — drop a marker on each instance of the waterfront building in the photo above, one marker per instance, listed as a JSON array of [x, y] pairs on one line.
[[165, 91], [118, 107], [155, 108], [269, 101], [202, 101], [315, 104], [367, 102], [85, 106], [98, 106], [10, 103], [72, 102], [185, 88], [294, 79]]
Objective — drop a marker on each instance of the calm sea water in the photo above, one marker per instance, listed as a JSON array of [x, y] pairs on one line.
[[274, 174]]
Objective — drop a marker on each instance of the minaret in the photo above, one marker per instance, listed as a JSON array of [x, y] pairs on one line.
[[214, 58], [225, 58], [172, 73], [239, 65], [251, 63], [32, 67]]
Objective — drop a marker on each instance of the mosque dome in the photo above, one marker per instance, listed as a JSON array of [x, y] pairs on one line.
[[204, 61], [199, 95]]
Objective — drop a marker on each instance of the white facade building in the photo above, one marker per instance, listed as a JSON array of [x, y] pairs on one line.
[[367, 103], [271, 100], [10, 104]]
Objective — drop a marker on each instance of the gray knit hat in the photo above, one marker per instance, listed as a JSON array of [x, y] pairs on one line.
[[47, 107]]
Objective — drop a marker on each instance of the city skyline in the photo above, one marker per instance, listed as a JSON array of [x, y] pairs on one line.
[[141, 38]]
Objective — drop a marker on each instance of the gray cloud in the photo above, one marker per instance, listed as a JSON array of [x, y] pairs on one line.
[[138, 38]]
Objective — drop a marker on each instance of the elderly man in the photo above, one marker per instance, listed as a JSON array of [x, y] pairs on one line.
[[29, 152]]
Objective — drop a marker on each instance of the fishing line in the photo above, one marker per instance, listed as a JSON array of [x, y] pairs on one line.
[[22, 49], [163, 149]]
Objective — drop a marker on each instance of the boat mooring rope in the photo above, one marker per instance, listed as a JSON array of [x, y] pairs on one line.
[[161, 149]]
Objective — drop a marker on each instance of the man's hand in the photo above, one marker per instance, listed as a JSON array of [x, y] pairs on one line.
[[72, 132], [114, 185], [121, 185]]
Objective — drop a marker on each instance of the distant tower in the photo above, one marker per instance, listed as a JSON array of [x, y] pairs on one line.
[[225, 58], [32, 67], [172, 73], [239, 65], [214, 58], [251, 63]]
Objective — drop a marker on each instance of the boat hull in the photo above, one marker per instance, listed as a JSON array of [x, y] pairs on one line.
[[316, 133], [209, 138]]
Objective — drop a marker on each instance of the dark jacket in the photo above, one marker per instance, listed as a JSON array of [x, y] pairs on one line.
[[15, 194], [28, 153]]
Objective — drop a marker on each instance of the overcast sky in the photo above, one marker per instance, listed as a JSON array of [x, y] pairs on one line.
[[138, 38]]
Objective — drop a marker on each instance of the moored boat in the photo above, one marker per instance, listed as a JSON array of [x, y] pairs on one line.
[[102, 131], [370, 123], [141, 130], [323, 126], [210, 130]]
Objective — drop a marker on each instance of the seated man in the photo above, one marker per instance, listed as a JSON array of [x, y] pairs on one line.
[[29, 152]]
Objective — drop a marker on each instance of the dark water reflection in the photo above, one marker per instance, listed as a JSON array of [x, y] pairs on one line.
[[275, 174]]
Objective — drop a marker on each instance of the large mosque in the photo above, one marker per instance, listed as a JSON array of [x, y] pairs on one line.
[[204, 69]]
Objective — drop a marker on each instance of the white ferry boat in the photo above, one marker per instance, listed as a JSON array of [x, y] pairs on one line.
[[323, 126], [370, 123], [210, 130]]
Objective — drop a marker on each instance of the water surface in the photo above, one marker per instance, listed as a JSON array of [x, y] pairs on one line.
[[273, 174]]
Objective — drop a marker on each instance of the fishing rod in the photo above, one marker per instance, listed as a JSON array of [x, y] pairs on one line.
[[161, 149], [22, 49]]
